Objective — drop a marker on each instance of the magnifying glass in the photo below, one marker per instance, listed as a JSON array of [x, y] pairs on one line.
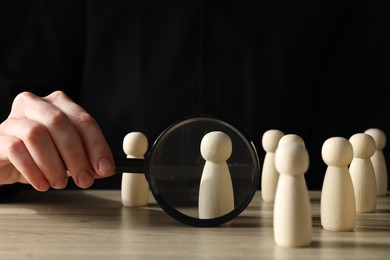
[[174, 166]]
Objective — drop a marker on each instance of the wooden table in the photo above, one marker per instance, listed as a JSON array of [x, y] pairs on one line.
[[92, 224]]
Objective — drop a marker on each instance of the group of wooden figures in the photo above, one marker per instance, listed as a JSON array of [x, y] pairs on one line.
[[356, 175]]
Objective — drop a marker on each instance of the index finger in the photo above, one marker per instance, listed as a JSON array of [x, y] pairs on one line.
[[95, 144]]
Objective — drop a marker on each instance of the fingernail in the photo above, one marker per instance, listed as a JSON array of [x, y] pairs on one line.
[[60, 183], [43, 185], [105, 166], [85, 180]]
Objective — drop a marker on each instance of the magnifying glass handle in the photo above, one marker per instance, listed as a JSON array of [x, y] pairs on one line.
[[132, 165]]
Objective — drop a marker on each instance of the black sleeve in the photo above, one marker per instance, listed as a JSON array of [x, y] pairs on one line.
[[41, 48], [9, 191]]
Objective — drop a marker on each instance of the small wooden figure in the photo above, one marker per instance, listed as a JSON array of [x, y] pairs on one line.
[[362, 172], [135, 187], [270, 176], [378, 160], [216, 197], [338, 207], [292, 217]]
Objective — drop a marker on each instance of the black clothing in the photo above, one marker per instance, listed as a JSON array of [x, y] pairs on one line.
[[314, 68]]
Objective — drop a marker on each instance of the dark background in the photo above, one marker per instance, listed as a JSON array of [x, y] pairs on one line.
[[314, 68]]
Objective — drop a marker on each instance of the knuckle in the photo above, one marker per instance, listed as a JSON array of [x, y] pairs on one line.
[[58, 94], [85, 120], [76, 156], [15, 147], [34, 132], [56, 119], [23, 97]]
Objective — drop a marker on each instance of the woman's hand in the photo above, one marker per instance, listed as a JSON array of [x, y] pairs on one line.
[[46, 139]]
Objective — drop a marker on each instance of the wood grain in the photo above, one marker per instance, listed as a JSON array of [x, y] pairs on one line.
[[93, 224]]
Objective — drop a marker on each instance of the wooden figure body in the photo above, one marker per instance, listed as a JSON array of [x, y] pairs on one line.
[[338, 207], [362, 172], [216, 197], [292, 217], [270, 176], [134, 186]]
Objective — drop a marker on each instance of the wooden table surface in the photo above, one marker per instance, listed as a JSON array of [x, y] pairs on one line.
[[93, 224]]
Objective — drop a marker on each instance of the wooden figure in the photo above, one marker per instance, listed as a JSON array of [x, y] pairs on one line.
[[216, 197], [270, 176], [378, 160], [338, 206], [292, 217], [362, 172], [135, 187]]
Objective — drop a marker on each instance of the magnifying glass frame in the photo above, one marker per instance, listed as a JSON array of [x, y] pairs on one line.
[[146, 167]]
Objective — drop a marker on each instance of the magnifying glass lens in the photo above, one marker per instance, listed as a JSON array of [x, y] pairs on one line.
[[175, 166]]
